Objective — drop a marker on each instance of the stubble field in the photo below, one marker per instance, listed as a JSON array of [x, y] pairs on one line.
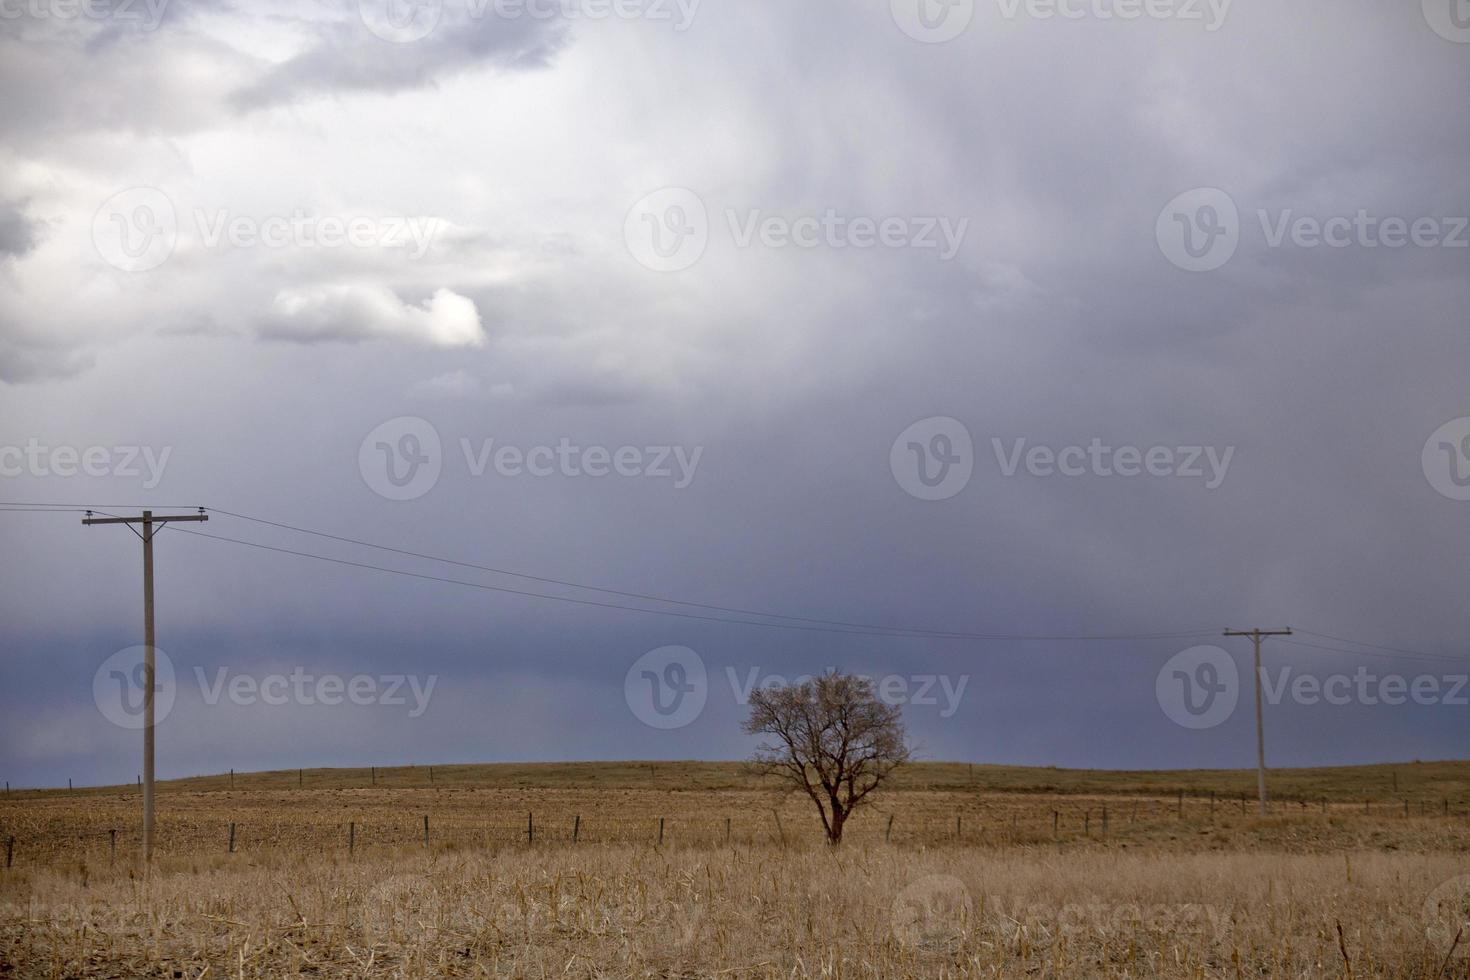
[[560, 870]]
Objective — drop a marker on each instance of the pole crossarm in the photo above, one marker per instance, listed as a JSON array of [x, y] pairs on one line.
[[147, 518]]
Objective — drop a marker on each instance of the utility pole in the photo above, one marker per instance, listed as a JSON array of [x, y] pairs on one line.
[[151, 526], [1256, 636]]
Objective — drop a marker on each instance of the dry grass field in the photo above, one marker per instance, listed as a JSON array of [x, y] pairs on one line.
[[559, 870]]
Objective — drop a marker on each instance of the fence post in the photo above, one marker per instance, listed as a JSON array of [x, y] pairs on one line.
[[1181, 804], [232, 837], [1055, 816], [431, 775], [1212, 804], [232, 779], [351, 837], [298, 779], [374, 771], [111, 846], [956, 826], [530, 827], [9, 849], [576, 828], [727, 830], [426, 830], [1105, 821], [1087, 823], [660, 831], [68, 784], [1446, 807]]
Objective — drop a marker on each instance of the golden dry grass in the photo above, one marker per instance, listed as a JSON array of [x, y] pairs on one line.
[[760, 912], [1162, 892]]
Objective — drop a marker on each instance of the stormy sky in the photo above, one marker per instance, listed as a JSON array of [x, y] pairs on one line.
[[1077, 331]]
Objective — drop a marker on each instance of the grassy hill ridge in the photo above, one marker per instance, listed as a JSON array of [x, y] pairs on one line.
[[1408, 780]]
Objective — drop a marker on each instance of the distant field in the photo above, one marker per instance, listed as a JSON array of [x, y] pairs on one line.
[[698, 869], [1414, 781]]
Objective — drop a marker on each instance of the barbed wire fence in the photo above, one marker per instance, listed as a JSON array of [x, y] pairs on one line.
[[103, 839]]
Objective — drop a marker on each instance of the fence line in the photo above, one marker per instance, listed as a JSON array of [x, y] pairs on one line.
[[1070, 820]]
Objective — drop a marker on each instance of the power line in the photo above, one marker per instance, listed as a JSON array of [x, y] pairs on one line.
[[1405, 655], [838, 626], [516, 592], [647, 597], [83, 506], [813, 624], [626, 608], [1375, 646]]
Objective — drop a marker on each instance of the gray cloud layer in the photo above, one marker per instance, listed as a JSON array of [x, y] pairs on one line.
[[1059, 320]]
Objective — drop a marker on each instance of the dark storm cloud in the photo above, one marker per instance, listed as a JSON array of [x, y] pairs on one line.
[[18, 232], [1060, 321], [348, 57]]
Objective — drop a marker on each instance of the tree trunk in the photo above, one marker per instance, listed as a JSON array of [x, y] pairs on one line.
[[834, 832]]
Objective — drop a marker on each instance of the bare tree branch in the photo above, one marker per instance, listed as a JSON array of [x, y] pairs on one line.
[[832, 739]]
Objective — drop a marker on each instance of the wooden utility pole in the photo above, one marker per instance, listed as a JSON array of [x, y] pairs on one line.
[[151, 526], [1256, 636]]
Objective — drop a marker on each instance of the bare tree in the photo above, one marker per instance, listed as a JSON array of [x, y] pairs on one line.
[[831, 738]]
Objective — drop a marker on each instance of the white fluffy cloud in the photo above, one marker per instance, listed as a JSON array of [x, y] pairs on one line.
[[367, 311]]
